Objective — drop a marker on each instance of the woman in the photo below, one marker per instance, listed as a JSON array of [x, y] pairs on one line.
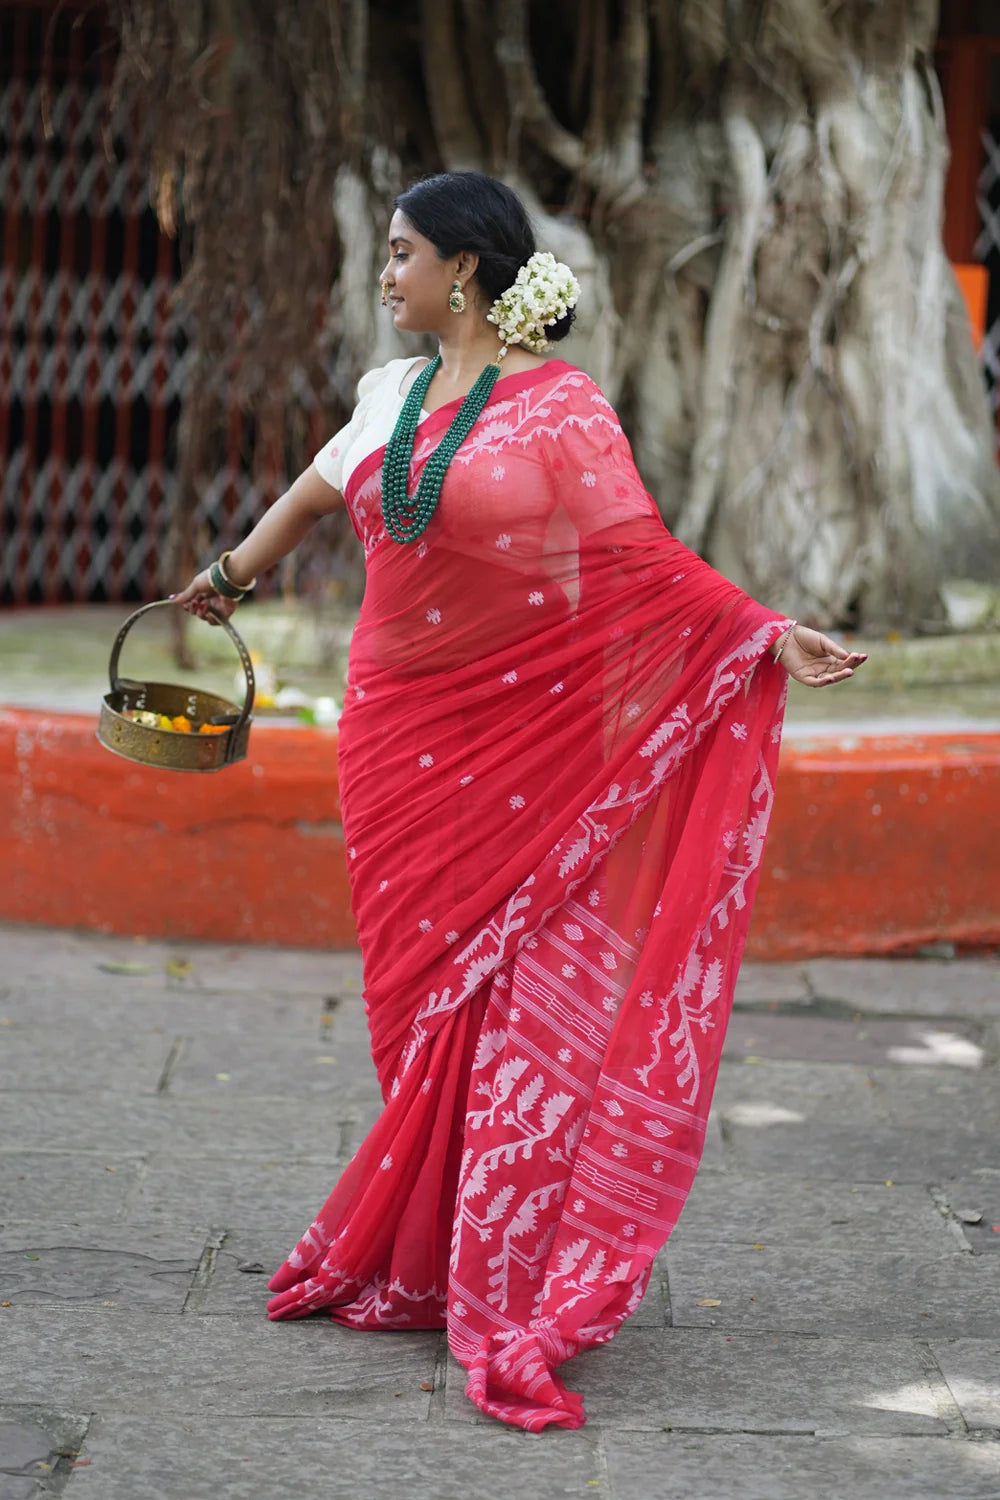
[[557, 758]]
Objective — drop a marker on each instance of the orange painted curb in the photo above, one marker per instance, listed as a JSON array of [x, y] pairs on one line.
[[877, 845], [880, 845], [253, 853]]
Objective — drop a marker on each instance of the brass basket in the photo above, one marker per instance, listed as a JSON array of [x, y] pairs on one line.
[[174, 749]]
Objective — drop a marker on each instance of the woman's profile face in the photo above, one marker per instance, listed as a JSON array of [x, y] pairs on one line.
[[419, 281]]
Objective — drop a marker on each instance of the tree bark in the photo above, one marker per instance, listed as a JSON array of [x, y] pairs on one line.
[[749, 190]]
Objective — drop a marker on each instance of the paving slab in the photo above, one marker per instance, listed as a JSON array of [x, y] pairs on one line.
[[725, 1209], [54, 1188], [946, 1122], [45, 953], [236, 1191], [960, 1100], [71, 1057], [835, 1120], [132, 1362], [813, 1120], [794, 1289], [914, 987], [37, 1447], [969, 1199], [686, 1466], [870, 1041], [713, 1381], [972, 1369], [126, 1267], [310, 1458], [233, 1288], [765, 985], [222, 1126], [174, 1008], [280, 1060]]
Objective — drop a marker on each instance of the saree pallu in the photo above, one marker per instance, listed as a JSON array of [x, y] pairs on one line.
[[557, 762]]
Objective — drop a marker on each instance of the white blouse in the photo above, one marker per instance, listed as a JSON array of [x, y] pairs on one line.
[[379, 403]]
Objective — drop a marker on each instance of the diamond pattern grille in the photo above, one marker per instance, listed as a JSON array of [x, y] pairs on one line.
[[94, 353], [987, 251]]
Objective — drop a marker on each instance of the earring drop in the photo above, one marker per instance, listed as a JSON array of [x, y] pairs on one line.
[[384, 285], [457, 299]]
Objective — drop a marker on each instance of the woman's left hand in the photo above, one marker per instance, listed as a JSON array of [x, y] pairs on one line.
[[816, 661]]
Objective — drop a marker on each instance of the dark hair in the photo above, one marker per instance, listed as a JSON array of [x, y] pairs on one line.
[[459, 211]]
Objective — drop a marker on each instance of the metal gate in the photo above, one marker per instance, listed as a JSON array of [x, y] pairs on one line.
[[987, 252], [93, 351]]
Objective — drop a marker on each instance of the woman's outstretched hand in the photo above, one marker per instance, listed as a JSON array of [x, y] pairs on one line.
[[200, 597], [816, 661]]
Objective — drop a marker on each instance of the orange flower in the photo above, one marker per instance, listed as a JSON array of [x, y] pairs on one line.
[[213, 728], [181, 723]]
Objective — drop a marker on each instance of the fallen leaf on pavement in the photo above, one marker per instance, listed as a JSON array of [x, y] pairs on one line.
[[969, 1216], [179, 968], [425, 1385], [250, 1267], [118, 966], [709, 1302]]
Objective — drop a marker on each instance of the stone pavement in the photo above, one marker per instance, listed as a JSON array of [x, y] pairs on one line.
[[825, 1322]]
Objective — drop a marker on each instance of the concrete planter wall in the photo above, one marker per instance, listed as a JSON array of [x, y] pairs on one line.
[[878, 845]]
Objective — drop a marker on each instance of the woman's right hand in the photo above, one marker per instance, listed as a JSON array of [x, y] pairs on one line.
[[201, 597], [815, 660]]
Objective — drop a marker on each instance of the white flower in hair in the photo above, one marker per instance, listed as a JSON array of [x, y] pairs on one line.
[[544, 290]]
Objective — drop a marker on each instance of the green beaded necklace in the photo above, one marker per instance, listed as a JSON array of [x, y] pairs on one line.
[[406, 518]]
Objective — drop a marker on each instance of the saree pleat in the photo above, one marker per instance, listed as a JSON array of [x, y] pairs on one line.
[[557, 768]]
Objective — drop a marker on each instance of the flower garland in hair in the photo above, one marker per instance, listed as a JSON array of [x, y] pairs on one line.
[[544, 290]]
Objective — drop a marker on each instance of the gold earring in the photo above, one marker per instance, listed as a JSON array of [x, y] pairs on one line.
[[385, 293], [457, 299]]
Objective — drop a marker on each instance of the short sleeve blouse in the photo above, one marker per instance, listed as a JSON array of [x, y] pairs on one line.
[[372, 421]]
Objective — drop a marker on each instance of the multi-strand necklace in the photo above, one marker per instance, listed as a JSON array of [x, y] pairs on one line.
[[406, 517]]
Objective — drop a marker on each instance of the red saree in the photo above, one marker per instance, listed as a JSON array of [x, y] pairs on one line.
[[557, 762]]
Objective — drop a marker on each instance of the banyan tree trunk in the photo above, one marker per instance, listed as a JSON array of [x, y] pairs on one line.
[[833, 446], [750, 191]]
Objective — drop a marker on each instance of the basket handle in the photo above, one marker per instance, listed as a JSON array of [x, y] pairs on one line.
[[118, 686]]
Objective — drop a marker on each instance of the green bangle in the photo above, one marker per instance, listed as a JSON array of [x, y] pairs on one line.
[[222, 585], [243, 587]]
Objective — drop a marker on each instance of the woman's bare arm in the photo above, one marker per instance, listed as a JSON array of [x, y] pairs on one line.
[[278, 532]]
